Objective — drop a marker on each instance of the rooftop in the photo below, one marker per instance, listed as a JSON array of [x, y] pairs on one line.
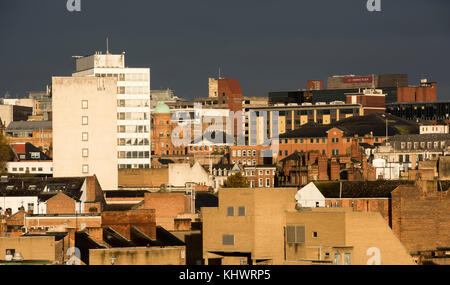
[[29, 125], [359, 125]]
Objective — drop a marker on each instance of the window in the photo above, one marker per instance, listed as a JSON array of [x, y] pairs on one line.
[[228, 239], [335, 140], [84, 120], [314, 234], [337, 258], [85, 168], [85, 152], [335, 152], [35, 155], [241, 211], [260, 182], [295, 234], [348, 259], [230, 211], [267, 182], [317, 204], [84, 104], [400, 158]]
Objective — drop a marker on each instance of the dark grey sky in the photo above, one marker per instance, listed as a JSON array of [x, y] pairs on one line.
[[267, 45]]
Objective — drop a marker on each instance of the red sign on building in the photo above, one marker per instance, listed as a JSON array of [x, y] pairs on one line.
[[358, 79]]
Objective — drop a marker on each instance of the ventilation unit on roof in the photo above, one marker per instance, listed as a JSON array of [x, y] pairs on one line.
[[32, 187], [10, 187]]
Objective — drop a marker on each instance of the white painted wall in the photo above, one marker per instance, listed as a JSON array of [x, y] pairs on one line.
[[181, 173], [68, 159], [33, 167], [16, 202], [309, 196]]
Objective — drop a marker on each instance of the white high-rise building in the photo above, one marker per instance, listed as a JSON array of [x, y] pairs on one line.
[[133, 105], [84, 125]]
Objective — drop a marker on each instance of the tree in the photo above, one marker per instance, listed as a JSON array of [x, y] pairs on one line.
[[236, 181], [5, 152]]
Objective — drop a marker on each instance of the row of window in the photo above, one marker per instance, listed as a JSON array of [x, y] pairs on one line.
[[126, 76], [240, 211], [22, 169], [132, 90], [245, 162], [319, 140], [130, 142], [129, 166], [244, 153], [132, 129], [429, 145], [133, 116], [133, 103], [133, 154]]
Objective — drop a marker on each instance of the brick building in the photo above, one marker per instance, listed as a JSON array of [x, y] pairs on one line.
[[162, 128], [425, 92], [336, 138], [38, 133], [263, 227], [421, 215]]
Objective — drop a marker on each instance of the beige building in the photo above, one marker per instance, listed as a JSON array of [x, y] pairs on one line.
[[85, 128], [265, 226], [137, 256], [42, 248]]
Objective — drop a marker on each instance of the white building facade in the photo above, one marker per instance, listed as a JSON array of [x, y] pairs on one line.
[[133, 105], [84, 128]]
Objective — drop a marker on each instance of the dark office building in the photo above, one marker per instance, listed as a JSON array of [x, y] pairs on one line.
[[328, 96], [289, 97], [428, 111]]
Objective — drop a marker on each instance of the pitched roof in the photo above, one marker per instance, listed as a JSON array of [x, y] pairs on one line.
[[35, 186], [233, 84], [359, 125], [29, 125], [360, 189]]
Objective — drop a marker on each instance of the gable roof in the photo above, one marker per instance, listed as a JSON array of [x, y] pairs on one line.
[[309, 189], [358, 125], [29, 125], [360, 189]]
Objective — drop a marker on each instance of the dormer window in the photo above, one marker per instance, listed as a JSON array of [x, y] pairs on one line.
[[35, 155]]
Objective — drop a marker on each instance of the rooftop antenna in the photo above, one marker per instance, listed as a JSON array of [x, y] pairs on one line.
[[373, 81], [107, 45], [219, 73]]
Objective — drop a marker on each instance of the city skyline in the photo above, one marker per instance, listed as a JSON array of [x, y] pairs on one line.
[[267, 46]]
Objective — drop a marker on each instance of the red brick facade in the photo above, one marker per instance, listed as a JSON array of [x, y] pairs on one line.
[[425, 93], [421, 216], [61, 204]]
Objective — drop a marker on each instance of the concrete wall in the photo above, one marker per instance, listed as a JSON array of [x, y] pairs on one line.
[[138, 256], [167, 207], [147, 177], [368, 230], [181, 173], [31, 248], [68, 94]]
